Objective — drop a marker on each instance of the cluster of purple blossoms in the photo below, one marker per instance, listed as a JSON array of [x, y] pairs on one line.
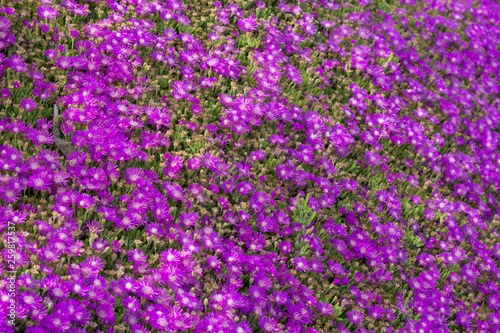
[[333, 168]]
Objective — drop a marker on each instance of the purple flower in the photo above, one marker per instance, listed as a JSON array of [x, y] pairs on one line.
[[261, 5], [268, 324], [137, 255], [464, 318], [494, 301], [39, 181], [57, 321], [175, 191], [47, 12], [64, 62], [248, 24], [376, 311], [106, 313], [302, 264], [355, 317], [390, 314], [324, 308], [189, 218], [16, 62], [30, 299], [5, 93], [293, 74]]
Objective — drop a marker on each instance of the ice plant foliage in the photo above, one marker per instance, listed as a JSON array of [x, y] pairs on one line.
[[303, 166]]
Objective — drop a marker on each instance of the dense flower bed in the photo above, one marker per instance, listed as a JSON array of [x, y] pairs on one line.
[[310, 166]]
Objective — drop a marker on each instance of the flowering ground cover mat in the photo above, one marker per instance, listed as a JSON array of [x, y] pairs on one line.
[[249, 166]]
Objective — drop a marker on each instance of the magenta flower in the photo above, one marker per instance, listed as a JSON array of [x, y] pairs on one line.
[[189, 219], [49, 253], [47, 12], [293, 74], [137, 255], [64, 62], [302, 264], [248, 24], [84, 201], [106, 313], [213, 262], [159, 56], [193, 163], [133, 175], [175, 191], [16, 62], [57, 321], [324, 308], [464, 318], [9, 194], [355, 317], [285, 247], [494, 302], [5, 93], [154, 228], [268, 324], [39, 181]]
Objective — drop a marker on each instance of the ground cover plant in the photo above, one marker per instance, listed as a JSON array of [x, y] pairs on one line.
[[268, 166]]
